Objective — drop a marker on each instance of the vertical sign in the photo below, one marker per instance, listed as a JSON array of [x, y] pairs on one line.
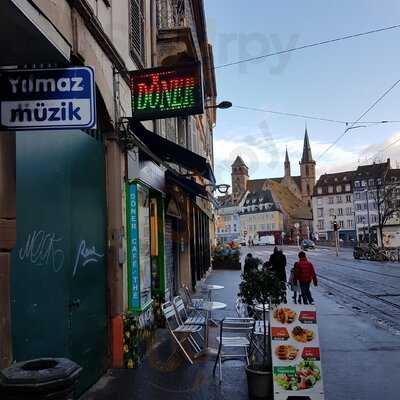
[[133, 248], [296, 355], [58, 98]]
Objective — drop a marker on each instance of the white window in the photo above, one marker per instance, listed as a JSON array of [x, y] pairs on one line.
[[347, 187], [357, 195], [319, 190], [319, 201], [331, 212], [321, 224], [330, 189], [363, 183], [338, 188], [357, 184], [320, 212]]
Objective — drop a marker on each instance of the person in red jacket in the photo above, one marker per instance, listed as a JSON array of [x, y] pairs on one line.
[[305, 274]]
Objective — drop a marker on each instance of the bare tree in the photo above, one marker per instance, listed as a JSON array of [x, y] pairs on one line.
[[385, 194]]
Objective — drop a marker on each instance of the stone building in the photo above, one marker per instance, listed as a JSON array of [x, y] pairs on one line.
[[291, 194], [333, 201]]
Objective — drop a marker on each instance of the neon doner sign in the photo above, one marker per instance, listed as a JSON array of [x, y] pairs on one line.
[[166, 92]]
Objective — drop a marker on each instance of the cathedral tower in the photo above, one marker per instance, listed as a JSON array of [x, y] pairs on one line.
[[240, 176], [287, 165], [307, 171]]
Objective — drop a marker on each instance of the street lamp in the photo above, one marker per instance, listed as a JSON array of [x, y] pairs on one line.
[[223, 105], [222, 188]]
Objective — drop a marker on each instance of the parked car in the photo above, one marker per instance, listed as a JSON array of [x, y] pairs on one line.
[[307, 244]]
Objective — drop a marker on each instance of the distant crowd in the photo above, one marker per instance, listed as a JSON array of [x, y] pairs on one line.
[[302, 274]]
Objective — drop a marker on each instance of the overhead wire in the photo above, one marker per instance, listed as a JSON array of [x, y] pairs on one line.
[[311, 117], [310, 45], [374, 104]]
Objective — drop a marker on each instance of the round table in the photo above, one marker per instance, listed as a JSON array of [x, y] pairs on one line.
[[215, 287], [209, 306]]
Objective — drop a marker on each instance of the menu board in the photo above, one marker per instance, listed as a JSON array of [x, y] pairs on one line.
[[296, 355]]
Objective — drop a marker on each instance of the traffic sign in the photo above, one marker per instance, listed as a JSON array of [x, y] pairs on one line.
[[58, 98]]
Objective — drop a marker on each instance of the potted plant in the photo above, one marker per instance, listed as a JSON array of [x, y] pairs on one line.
[[261, 286], [226, 256]]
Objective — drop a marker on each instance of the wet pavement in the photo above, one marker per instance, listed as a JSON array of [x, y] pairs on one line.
[[163, 377], [360, 344]]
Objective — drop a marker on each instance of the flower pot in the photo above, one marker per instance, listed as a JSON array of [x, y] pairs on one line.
[[259, 383]]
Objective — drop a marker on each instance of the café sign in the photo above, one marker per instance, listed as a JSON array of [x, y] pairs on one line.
[[166, 92], [58, 98]]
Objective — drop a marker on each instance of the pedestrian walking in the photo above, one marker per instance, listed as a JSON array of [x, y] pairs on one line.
[[277, 261], [250, 263], [304, 274], [294, 287]]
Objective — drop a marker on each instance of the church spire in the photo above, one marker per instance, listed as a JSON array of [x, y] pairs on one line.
[[307, 156], [287, 165]]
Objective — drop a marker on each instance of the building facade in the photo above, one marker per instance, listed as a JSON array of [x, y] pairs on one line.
[[260, 217], [291, 195], [124, 204], [333, 201]]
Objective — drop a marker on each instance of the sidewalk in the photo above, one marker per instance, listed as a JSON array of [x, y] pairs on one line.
[[360, 361], [175, 379]]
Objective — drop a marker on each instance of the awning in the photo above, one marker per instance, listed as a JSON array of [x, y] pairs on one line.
[[171, 152], [186, 184], [35, 39]]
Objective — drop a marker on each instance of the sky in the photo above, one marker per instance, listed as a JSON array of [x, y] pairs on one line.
[[337, 81]]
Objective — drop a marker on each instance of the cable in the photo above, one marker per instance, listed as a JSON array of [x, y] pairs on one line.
[[306, 46], [360, 117], [290, 114], [304, 116], [384, 149]]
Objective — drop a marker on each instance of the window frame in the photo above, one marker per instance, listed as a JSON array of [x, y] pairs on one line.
[[140, 59]]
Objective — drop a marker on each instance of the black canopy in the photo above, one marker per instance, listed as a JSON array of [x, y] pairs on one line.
[[171, 152]]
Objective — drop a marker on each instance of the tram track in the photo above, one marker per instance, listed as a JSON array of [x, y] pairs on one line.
[[364, 292]]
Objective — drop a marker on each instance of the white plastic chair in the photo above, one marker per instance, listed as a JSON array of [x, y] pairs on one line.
[[234, 334], [180, 332]]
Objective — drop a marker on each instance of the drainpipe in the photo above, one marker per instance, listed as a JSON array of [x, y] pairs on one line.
[[7, 240]]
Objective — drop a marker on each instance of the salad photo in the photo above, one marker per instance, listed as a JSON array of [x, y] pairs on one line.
[[303, 376]]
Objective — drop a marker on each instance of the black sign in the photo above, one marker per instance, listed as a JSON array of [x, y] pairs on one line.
[[166, 92]]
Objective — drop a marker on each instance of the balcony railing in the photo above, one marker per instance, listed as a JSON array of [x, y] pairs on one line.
[[173, 14]]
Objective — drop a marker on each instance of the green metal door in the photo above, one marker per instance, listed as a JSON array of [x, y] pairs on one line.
[[59, 262]]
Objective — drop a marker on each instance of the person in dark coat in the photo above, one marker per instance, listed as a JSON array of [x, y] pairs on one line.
[[277, 260], [250, 263]]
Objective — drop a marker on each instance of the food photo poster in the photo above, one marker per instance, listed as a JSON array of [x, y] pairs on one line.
[[296, 354]]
